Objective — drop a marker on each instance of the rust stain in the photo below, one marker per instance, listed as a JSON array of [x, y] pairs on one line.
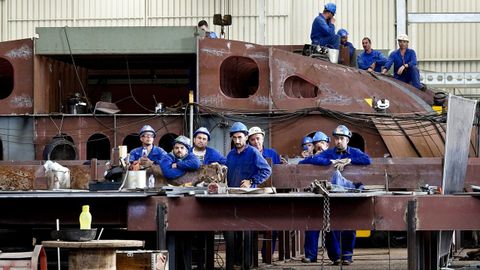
[[23, 101], [14, 178], [79, 177], [24, 52]]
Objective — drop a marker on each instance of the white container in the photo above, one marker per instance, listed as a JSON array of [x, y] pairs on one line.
[[136, 179], [333, 55]]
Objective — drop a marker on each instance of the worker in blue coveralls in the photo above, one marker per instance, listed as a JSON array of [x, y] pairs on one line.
[[320, 144], [256, 138], [404, 61], [323, 28], [307, 146], [200, 149], [340, 156], [180, 160], [370, 59], [203, 25], [343, 34], [246, 169], [148, 154]]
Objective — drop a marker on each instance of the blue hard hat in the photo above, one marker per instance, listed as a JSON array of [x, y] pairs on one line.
[[182, 140], [147, 128], [331, 7], [307, 139], [238, 127], [202, 130], [320, 136], [342, 32], [342, 130]]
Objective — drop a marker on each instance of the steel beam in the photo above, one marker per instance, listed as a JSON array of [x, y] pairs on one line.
[[443, 17]]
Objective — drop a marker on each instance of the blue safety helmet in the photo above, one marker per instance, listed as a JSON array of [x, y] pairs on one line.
[[238, 127], [320, 136], [331, 7], [342, 32], [182, 140], [342, 131], [307, 139], [202, 130], [147, 128]]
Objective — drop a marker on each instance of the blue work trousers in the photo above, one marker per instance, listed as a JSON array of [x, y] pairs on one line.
[[340, 243], [330, 42], [274, 243], [311, 245], [411, 75]]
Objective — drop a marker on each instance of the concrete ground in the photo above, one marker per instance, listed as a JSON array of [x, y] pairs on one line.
[[365, 259]]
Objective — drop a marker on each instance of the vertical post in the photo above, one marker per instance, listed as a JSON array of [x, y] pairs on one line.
[[261, 22], [161, 227], [114, 130], [412, 235], [93, 169], [190, 101], [401, 17]]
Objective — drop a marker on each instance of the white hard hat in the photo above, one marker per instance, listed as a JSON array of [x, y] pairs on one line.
[[255, 130], [403, 37]]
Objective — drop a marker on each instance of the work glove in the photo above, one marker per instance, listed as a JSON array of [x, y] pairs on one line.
[[340, 164]]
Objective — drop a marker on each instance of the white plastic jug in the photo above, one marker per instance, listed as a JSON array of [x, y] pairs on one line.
[[136, 179], [333, 55]]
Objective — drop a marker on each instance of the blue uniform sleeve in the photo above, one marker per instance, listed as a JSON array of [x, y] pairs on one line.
[[263, 170], [189, 163], [358, 157], [380, 59], [318, 159], [320, 27], [413, 59], [134, 155], [389, 62], [167, 170], [362, 64], [214, 156]]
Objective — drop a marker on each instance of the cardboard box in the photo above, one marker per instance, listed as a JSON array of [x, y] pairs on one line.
[[142, 260]]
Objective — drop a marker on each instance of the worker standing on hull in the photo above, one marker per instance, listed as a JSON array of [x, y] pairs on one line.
[[323, 28], [404, 61], [320, 143], [370, 59]]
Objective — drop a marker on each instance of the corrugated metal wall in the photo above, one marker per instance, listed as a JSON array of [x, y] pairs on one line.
[[440, 47]]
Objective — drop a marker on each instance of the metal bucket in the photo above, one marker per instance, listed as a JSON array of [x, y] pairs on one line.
[[136, 179]]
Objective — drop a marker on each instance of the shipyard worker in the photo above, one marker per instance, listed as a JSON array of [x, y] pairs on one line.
[[203, 25], [323, 28], [148, 154], [343, 34], [307, 146], [180, 160], [340, 156], [370, 59], [246, 165], [205, 154], [404, 61], [320, 143], [256, 137]]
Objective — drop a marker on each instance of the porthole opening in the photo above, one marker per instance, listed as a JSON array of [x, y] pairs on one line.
[[296, 87], [98, 146], [239, 77], [166, 141], [6, 78]]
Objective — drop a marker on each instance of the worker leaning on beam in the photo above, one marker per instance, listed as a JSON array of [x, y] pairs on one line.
[[256, 138], [323, 28], [246, 166], [148, 154], [200, 149], [370, 59], [404, 61], [180, 160]]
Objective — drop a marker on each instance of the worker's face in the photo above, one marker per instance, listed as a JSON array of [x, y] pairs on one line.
[[308, 147], [239, 140], [204, 28], [341, 142], [147, 138], [179, 150], [403, 44], [321, 146], [344, 39], [200, 141], [256, 140], [366, 45]]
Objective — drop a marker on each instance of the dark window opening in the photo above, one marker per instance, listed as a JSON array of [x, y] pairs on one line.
[[6, 78], [132, 141], [166, 141], [60, 148], [1, 150], [296, 87], [357, 141], [239, 77], [98, 146]]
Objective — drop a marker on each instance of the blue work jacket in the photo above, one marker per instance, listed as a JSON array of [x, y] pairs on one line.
[[247, 165], [365, 60], [271, 154], [211, 156], [155, 155], [322, 31], [188, 163], [397, 61], [323, 158]]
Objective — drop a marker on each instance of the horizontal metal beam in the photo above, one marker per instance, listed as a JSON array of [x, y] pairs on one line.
[[443, 17]]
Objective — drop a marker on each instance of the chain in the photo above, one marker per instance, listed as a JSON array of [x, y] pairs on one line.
[[326, 221]]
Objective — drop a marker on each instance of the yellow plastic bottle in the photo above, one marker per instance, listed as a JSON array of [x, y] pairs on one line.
[[85, 218]]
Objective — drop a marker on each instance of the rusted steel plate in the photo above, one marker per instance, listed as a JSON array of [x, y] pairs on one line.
[[17, 54], [245, 70], [398, 144], [337, 87]]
